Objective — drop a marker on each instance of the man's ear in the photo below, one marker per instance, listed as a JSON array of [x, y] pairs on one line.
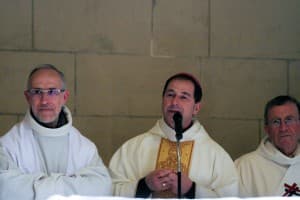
[[27, 96], [266, 128], [66, 95], [197, 108]]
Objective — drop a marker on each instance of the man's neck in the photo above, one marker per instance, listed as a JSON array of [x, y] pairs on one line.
[[189, 126], [291, 154], [62, 120]]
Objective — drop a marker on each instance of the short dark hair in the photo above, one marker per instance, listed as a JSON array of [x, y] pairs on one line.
[[46, 66], [278, 101], [189, 77]]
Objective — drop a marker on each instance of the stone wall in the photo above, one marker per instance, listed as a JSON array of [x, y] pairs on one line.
[[117, 55]]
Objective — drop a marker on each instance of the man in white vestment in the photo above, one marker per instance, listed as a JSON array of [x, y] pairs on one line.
[[146, 165], [44, 154], [273, 169]]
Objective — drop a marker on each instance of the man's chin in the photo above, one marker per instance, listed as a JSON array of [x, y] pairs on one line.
[[170, 123], [46, 120]]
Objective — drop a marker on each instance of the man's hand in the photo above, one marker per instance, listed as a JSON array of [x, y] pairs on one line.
[[163, 179], [159, 180], [186, 183]]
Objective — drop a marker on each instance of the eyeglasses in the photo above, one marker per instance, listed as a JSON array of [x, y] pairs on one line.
[[289, 121], [50, 92]]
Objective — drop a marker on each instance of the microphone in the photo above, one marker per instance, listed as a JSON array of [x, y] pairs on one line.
[[177, 117]]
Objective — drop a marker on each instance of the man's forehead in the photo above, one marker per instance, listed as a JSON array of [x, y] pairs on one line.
[[287, 109], [43, 76], [180, 88], [183, 92]]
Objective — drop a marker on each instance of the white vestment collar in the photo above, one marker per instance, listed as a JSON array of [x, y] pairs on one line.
[[196, 131], [267, 150], [38, 128]]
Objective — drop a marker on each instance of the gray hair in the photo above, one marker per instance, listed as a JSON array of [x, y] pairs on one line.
[[278, 101], [46, 66]]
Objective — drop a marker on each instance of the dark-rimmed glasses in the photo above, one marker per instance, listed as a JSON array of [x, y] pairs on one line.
[[289, 121], [51, 92]]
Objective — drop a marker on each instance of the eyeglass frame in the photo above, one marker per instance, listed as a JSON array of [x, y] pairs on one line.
[[51, 92], [288, 121]]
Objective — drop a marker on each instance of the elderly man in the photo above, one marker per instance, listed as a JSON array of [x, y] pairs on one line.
[[274, 168], [145, 166], [44, 154]]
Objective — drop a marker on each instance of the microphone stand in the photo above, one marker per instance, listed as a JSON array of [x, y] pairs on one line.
[[178, 137], [177, 117]]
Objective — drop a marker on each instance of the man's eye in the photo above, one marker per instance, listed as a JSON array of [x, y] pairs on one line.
[[35, 92], [289, 119], [183, 97], [52, 92], [276, 122], [169, 95]]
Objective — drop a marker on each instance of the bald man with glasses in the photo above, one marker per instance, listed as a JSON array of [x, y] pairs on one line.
[[45, 154], [274, 168]]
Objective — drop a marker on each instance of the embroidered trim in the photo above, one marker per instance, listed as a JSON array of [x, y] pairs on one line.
[[167, 159]]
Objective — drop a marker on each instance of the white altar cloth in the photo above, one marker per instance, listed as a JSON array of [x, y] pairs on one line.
[[57, 197]]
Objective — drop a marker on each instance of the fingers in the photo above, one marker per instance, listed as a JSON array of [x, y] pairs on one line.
[[158, 180], [161, 180], [163, 172], [164, 186], [186, 183]]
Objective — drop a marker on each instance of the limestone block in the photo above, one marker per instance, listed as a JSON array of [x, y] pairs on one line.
[[14, 70], [125, 128], [250, 28], [15, 24], [237, 137], [180, 29], [109, 133], [99, 131], [94, 25], [7, 122], [125, 85], [236, 88], [294, 79], [263, 133]]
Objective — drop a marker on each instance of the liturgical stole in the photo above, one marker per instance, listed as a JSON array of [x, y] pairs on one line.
[[167, 159]]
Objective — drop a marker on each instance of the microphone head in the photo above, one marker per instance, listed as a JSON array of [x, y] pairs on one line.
[[177, 117]]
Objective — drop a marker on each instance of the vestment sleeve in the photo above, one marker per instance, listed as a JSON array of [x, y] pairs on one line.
[[123, 174], [142, 190], [224, 179], [14, 184], [244, 171]]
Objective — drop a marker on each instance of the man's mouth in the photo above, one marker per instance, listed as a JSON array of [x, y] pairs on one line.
[[174, 110], [45, 109], [285, 135]]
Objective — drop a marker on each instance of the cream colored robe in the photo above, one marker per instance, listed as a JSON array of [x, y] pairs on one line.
[[24, 174], [211, 167], [265, 172]]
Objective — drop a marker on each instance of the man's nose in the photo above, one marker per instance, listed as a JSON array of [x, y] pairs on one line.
[[283, 126], [44, 96], [175, 100]]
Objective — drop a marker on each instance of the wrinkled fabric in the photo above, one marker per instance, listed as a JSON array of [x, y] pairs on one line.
[[24, 174], [211, 168], [267, 172]]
